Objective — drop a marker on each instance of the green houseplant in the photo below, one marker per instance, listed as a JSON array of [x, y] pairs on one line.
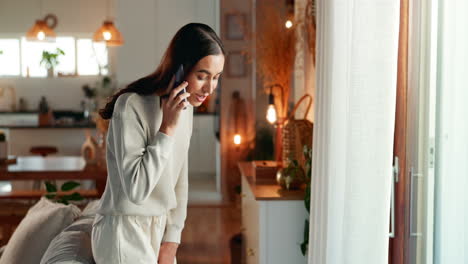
[[50, 60], [52, 192], [308, 168], [292, 177]]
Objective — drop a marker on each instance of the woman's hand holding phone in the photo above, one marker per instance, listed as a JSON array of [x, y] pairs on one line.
[[171, 107]]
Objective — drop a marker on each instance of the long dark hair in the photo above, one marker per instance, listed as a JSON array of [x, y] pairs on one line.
[[189, 45]]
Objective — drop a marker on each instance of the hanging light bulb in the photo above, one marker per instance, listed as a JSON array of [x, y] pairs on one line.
[[271, 114], [271, 111], [289, 14], [107, 35], [237, 139], [40, 35]]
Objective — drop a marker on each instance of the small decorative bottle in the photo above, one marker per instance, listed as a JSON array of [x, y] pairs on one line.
[[3, 147]]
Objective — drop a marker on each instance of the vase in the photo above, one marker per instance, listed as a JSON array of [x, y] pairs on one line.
[[89, 150], [50, 72]]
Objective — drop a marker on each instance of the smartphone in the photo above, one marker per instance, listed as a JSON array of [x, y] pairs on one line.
[[179, 78]]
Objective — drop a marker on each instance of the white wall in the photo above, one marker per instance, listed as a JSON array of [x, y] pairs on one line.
[[148, 26], [21, 140], [17, 16], [61, 93]]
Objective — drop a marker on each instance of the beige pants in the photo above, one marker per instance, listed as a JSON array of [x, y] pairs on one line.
[[122, 239]]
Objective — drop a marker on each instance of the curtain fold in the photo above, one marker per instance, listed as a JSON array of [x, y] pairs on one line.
[[357, 50], [451, 166]]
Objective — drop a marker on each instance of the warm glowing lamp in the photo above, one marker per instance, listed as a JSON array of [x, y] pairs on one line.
[[289, 14], [271, 111], [238, 120], [237, 139], [40, 32], [108, 33], [271, 114]]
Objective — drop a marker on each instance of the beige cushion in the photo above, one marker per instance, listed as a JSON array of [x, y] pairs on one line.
[[42, 223], [73, 244]]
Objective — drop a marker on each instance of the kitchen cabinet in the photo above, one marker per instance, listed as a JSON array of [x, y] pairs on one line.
[[272, 221]]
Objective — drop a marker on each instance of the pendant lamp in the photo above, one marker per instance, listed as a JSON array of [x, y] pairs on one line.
[[108, 32], [41, 30]]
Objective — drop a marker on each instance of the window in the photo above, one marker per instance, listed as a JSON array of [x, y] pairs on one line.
[[92, 57], [82, 57], [9, 57]]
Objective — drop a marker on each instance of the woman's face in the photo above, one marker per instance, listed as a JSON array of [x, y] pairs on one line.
[[203, 79]]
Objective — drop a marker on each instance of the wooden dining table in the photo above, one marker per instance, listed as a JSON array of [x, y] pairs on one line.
[[52, 168]]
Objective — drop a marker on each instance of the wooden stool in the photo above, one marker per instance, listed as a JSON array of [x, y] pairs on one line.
[[44, 151]]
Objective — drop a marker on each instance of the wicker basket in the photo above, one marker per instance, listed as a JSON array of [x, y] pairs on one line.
[[296, 134]]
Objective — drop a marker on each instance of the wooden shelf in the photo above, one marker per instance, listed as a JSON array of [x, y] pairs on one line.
[[37, 194]]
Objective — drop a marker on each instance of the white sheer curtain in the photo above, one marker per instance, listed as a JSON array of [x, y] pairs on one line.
[[353, 140], [451, 179]]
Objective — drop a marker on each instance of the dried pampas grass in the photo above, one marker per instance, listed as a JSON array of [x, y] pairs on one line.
[[275, 53], [311, 27]]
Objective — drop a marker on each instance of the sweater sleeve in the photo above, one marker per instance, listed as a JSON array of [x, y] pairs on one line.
[[176, 217], [140, 163]]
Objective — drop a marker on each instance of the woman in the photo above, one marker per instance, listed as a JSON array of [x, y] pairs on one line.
[[143, 209]]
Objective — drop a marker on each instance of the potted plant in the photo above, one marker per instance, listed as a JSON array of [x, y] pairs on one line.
[[65, 199], [50, 60], [308, 167], [292, 177]]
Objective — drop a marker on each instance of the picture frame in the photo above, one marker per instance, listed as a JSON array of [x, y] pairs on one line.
[[233, 26], [236, 65]]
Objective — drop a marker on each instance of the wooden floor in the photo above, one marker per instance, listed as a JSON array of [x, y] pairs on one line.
[[206, 236]]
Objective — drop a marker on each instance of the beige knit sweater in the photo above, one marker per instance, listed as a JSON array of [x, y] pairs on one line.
[[147, 169]]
